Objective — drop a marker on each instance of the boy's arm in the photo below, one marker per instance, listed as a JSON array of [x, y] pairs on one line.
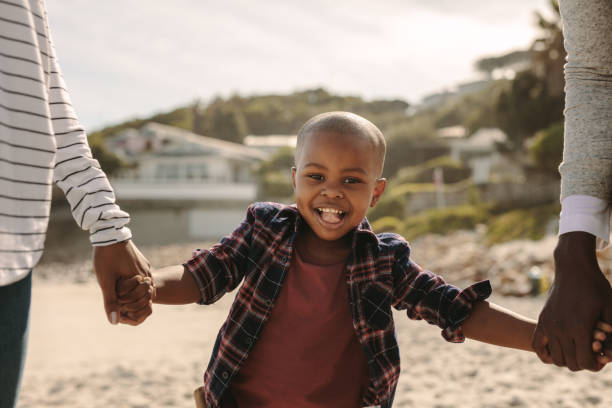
[[175, 286], [496, 325]]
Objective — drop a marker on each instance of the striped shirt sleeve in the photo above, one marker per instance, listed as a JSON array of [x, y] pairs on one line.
[[77, 173]]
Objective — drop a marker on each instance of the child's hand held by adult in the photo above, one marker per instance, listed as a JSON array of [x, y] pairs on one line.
[[135, 295], [601, 343]]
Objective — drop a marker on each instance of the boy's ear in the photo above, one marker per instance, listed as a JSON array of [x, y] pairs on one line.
[[379, 189], [293, 170]]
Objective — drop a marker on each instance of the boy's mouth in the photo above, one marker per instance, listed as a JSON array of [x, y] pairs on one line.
[[330, 215]]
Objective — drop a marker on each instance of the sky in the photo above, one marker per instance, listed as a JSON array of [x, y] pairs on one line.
[[123, 59]]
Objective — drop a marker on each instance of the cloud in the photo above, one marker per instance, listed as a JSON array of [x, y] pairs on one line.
[[126, 58]]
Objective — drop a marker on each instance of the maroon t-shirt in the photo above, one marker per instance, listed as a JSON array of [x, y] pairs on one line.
[[307, 354]]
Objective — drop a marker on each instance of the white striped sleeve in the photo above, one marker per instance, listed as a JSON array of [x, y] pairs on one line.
[[77, 173]]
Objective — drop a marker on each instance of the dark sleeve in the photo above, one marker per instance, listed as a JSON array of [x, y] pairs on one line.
[[427, 296]]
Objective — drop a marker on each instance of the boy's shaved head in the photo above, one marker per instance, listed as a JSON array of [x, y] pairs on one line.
[[345, 124]]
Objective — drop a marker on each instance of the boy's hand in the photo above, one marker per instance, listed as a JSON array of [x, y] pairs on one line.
[[602, 344], [134, 295]]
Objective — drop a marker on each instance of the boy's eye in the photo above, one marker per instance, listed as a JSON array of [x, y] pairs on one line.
[[317, 177], [351, 180]]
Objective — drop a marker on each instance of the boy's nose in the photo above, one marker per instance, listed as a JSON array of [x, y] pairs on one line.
[[332, 192]]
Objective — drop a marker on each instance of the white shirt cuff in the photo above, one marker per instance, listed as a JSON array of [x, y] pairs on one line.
[[588, 214]]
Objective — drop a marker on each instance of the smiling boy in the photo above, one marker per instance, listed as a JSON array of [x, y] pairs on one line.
[[338, 164], [311, 324]]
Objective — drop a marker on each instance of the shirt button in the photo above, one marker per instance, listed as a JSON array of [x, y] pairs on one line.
[[225, 375], [268, 303], [248, 341]]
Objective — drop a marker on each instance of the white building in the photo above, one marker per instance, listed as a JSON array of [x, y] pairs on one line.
[[164, 154], [479, 151], [183, 183]]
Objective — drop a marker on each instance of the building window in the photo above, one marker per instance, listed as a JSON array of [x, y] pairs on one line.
[[167, 172]]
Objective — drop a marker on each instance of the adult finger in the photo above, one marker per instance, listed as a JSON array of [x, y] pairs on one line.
[[540, 345], [141, 291], [568, 348], [135, 305], [126, 285], [134, 318], [556, 351], [585, 359]]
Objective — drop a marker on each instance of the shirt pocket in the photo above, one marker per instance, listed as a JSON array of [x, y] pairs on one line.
[[376, 303]]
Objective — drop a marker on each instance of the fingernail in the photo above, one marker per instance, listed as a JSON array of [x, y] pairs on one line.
[[113, 317]]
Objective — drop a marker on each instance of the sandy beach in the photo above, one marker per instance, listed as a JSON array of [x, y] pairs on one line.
[[77, 359]]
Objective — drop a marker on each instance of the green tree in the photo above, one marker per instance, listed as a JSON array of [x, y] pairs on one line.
[[109, 162], [527, 107], [224, 121], [546, 148], [535, 99]]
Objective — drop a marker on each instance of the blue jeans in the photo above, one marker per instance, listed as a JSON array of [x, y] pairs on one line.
[[14, 320]]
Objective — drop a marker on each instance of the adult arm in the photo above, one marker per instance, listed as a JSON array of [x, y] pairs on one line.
[[91, 199], [580, 294]]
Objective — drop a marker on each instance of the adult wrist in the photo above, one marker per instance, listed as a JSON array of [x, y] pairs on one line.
[[577, 240], [575, 253]]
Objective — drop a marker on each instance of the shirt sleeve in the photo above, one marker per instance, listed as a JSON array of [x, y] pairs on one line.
[[77, 173], [220, 269], [588, 214], [587, 147], [427, 296]]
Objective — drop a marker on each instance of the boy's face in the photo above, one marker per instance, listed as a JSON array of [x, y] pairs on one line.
[[335, 181]]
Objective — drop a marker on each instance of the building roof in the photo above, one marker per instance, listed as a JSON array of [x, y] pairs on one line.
[[487, 137], [181, 142]]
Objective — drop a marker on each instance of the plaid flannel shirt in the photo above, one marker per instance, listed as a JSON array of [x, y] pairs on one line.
[[380, 274]]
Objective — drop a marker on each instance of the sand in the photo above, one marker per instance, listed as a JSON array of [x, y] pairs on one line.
[[77, 359]]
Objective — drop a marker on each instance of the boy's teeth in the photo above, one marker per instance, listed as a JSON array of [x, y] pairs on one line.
[[331, 215], [330, 210]]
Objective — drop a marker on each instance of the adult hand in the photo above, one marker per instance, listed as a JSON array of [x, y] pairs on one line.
[[113, 262], [580, 296]]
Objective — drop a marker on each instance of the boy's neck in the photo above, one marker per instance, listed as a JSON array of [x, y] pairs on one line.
[[317, 251]]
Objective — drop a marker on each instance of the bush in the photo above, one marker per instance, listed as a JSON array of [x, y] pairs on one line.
[[109, 162], [442, 221], [388, 206], [526, 223], [453, 171], [411, 188], [387, 224], [282, 160], [412, 150], [275, 185]]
